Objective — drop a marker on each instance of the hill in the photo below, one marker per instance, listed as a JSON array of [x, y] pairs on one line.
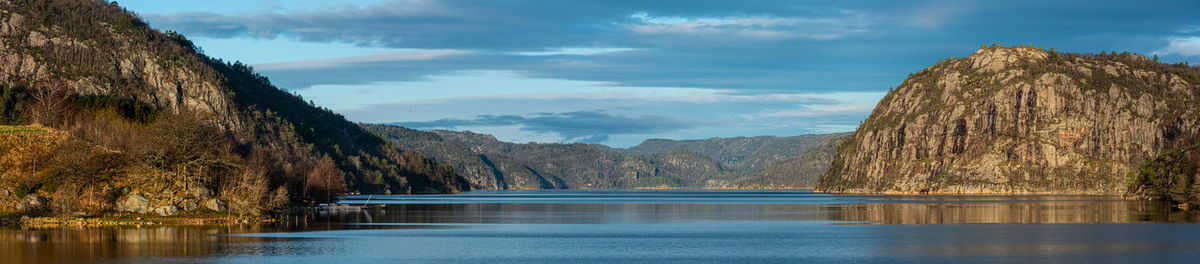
[[185, 128], [1022, 120], [492, 164], [802, 171], [748, 154]]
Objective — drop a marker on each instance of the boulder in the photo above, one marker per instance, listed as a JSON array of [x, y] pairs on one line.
[[33, 202], [134, 203], [199, 192], [166, 210], [188, 206], [215, 205]]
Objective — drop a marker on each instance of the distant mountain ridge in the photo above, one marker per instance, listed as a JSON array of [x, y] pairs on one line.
[[492, 164], [749, 154]]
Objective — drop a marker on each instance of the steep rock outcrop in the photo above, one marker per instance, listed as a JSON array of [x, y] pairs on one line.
[[1020, 120]]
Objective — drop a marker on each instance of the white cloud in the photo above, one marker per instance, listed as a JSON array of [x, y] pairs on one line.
[[760, 26], [1190, 29], [1185, 46], [936, 14], [574, 51], [405, 55], [494, 84], [824, 110]]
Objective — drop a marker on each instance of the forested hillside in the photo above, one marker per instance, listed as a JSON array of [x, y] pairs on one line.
[[174, 128]]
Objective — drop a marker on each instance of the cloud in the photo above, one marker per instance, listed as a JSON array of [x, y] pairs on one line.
[[1189, 29], [936, 14], [581, 126], [573, 51], [685, 95], [824, 110], [816, 28], [513, 26], [411, 55], [1183, 46]]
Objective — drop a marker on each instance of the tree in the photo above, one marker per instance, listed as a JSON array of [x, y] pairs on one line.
[[325, 181], [51, 102]]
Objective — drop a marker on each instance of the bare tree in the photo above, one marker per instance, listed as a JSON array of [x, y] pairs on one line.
[[325, 181], [51, 102]]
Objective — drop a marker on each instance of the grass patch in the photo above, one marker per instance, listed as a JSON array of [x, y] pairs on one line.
[[20, 129]]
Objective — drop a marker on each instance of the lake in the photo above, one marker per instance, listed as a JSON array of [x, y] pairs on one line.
[[656, 226]]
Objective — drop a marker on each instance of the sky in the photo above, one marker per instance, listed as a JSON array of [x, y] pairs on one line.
[[619, 72]]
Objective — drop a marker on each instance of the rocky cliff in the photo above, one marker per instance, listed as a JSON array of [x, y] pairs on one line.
[[1021, 120], [98, 73]]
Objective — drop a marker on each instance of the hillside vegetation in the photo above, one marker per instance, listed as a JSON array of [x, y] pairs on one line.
[[143, 122]]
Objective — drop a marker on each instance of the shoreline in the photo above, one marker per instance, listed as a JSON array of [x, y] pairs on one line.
[[127, 220]]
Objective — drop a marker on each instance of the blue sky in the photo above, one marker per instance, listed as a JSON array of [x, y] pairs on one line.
[[619, 72]]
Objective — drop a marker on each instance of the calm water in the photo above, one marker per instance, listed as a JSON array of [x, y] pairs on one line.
[[657, 227]]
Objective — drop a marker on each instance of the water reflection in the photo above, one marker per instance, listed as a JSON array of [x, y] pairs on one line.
[[1036, 211], [66, 245], [679, 206], [764, 223]]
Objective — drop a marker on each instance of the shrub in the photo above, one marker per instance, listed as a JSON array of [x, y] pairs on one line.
[[1170, 176], [12, 104]]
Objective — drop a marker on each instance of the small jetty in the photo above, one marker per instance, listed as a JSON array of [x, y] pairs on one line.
[[345, 207]]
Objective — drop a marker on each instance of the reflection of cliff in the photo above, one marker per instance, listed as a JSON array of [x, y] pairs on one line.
[[1032, 211], [871, 210]]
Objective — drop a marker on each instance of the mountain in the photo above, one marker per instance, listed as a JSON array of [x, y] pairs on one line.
[[748, 154], [1022, 120], [799, 172], [492, 164], [184, 128]]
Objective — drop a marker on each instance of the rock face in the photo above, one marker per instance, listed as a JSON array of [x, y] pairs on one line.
[[1021, 120]]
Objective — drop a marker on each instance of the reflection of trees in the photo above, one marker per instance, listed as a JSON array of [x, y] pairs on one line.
[[68, 245]]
